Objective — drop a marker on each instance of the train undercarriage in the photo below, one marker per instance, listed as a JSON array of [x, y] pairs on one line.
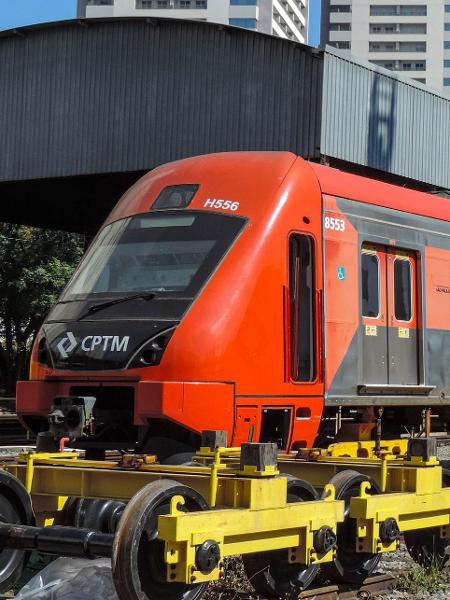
[[168, 529]]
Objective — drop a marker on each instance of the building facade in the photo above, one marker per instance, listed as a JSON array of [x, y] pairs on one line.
[[412, 38], [283, 18]]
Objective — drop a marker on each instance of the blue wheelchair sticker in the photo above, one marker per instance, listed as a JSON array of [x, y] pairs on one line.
[[341, 273]]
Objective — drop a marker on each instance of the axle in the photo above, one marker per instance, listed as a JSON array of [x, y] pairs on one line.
[[63, 541]]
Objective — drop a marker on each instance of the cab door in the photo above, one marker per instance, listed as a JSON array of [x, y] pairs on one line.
[[403, 338]]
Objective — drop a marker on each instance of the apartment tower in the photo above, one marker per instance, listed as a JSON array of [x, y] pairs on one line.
[[283, 18], [412, 38]]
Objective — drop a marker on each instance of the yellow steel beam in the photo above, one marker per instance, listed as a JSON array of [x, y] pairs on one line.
[[428, 505], [269, 524]]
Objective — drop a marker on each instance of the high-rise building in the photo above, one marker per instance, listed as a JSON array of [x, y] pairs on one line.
[[412, 38], [283, 18]]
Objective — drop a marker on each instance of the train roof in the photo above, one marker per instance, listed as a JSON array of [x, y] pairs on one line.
[[363, 189]]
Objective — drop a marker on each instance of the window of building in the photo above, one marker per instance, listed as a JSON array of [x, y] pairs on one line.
[[385, 10], [414, 28], [447, 26], [243, 2], [389, 10], [162, 3], [447, 8], [402, 289], [185, 3], [340, 8], [419, 79], [382, 28], [447, 64], [246, 23], [446, 81], [340, 27], [382, 47], [404, 65], [370, 284], [100, 3], [340, 45], [413, 10], [412, 47], [447, 45], [302, 307], [144, 4], [384, 64], [200, 4]]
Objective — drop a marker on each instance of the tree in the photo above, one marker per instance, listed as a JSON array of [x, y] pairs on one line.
[[35, 264]]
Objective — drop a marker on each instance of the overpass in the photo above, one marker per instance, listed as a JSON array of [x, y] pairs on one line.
[[87, 106]]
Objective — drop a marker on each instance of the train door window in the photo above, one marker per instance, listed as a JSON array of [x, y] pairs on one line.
[[370, 284], [402, 289], [403, 277], [302, 308]]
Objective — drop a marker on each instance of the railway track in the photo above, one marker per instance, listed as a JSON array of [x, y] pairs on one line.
[[373, 585], [11, 431]]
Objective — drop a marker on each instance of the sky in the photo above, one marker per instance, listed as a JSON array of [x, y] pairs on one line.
[[15, 13], [314, 22]]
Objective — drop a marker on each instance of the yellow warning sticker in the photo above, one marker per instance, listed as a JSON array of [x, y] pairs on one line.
[[403, 332], [371, 330]]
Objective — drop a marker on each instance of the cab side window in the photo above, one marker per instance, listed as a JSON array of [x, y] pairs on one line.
[[302, 308]]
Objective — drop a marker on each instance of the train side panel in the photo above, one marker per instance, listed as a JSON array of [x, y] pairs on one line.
[[387, 307]]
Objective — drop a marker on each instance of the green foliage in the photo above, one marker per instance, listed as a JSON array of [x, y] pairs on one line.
[[416, 580], [35, 264]]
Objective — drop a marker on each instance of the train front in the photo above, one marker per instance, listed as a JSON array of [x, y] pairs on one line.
[[140, 349]]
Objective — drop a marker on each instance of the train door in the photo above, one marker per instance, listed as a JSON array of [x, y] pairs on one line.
[[403, 317], [389, 308], [374, 315]]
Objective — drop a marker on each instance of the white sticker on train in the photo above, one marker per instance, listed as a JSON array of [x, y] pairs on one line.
[[113, 343], [219, 203], [334, 224]]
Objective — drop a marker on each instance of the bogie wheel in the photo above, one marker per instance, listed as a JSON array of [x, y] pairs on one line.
[[425, 546], [350, 566], [15, 507], [270, 573], [138, 566]]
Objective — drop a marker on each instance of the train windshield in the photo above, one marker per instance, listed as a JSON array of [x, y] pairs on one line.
[[163, 252]]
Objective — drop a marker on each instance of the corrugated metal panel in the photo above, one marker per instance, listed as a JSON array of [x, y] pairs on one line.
[[374, 118], [101, 96]]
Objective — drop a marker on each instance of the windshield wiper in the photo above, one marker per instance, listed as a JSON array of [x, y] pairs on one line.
[[96, 307]]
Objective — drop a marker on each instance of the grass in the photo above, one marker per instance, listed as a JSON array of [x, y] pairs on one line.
[[416, 579]]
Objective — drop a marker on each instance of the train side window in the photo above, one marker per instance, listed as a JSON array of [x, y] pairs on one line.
[[402, 289], [370, 284], [302, 308]]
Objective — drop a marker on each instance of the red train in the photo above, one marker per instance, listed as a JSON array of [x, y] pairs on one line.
[[253, 292]]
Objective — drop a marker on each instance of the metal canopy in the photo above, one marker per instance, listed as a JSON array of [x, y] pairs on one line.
[[87, 106]]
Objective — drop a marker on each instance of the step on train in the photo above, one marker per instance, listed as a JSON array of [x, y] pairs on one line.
[[253, 292]]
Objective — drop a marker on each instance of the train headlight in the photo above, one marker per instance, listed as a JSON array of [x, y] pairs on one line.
[[150, 354], [175, 196], [40, 361]]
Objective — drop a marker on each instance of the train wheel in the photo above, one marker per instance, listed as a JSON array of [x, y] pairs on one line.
[[425, 546], [350, 566], [138, 566], [270, 573], [15, 507]]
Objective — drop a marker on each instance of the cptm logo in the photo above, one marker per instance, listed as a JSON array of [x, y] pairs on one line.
[[113, 343]]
